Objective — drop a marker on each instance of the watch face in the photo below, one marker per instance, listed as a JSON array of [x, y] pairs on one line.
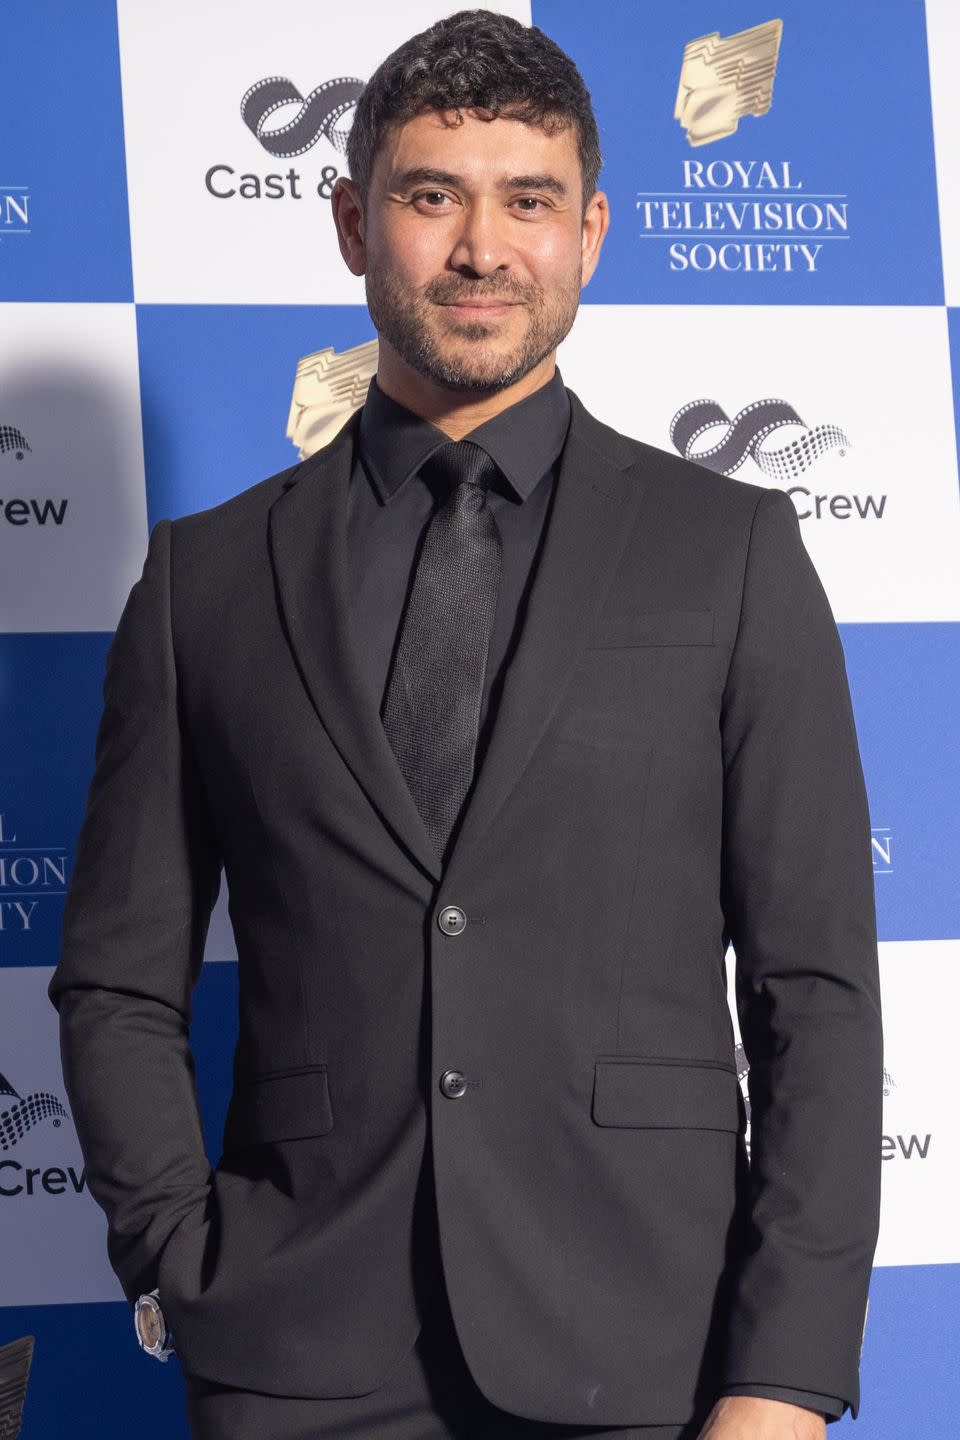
[[150, 1326]]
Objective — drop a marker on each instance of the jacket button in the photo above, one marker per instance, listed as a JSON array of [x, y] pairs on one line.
[[453, 1083], [451, 920]]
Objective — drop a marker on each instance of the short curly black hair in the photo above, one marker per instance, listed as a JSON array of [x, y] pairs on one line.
[[481, 59]]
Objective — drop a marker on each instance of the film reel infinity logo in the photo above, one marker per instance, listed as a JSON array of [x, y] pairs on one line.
[[287, 124], [702, 431], [743, 438], [319, 114]]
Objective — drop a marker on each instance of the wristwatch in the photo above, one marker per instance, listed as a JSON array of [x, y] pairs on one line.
[[151, 1328]]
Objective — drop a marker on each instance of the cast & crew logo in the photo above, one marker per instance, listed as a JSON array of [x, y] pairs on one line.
[[19, 1113], [744, 438], [17, 510], [737, 215], [902, 1146], [892, 1147], [28, 874], [13, 440], [325, 114], [723, 80]]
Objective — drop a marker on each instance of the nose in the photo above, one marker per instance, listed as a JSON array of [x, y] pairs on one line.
[[481, 244]]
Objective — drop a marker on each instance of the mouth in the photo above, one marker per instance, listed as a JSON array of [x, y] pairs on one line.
[[487, 310]]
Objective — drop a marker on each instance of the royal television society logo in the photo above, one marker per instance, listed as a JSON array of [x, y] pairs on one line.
[[30, 875], [328, 386], [287, 124], [14, 211], [881, 843], [20, 1113], [723, 79], [750, 216]]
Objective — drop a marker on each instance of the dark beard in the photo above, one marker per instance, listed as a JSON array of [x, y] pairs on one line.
[[404, 324]]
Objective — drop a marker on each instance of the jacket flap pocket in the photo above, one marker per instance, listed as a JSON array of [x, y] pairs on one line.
[[659, 1094], [283, 1105], [654, 627]]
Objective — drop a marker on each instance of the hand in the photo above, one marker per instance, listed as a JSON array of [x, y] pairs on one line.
[[750, 1417]]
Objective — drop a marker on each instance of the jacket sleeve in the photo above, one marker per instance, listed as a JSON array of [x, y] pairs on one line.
[[799, 907], [145, 878]]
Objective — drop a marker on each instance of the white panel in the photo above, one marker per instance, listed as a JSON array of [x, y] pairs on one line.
[[54, 1233], [185, 67], [920, 1149], [73, 510], [920, 982], [880, 517]]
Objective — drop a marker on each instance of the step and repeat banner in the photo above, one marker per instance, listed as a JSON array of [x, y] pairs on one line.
[[778, 298]]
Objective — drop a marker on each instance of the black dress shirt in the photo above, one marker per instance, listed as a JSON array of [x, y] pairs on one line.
[[389, 507]]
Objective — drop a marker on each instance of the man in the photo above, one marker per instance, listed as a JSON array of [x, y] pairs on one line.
[[501, 725]]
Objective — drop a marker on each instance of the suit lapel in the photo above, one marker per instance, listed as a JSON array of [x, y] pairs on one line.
[[597, 497], [308, 547]]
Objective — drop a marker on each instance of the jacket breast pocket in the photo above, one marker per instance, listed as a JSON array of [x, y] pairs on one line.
[[289, 1104], [653, 627], [664, 1094]]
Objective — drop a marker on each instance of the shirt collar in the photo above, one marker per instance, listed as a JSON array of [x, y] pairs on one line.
[[524, 440]]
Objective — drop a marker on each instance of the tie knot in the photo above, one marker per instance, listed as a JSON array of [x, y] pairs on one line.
[[460, 460]]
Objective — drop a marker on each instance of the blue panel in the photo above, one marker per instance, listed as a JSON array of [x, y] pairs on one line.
[[213, 1035], [89, 1379], [908, 1374], [850, 116], [215, 385], [51, 696], [64, 227], [905, 684]]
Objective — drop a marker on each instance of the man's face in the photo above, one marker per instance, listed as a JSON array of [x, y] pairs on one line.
[[483, 214]]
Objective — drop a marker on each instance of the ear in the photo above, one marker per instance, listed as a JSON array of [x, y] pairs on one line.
[[348, 217], [596, 222]]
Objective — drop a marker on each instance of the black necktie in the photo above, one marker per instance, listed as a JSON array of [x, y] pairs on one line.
[[431, 710]]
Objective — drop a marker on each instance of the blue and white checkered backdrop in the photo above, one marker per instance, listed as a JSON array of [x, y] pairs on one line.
[[163, 265]]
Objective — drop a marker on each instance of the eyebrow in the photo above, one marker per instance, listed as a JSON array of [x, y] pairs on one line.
[[424, 175]]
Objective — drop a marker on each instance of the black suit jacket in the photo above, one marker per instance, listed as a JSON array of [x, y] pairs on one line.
[[673, 763]]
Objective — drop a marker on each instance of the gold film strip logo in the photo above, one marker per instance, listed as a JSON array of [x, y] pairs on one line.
[[724, 78]]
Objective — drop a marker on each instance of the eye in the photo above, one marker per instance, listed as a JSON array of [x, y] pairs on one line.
[[530, 200], [423, 194]]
